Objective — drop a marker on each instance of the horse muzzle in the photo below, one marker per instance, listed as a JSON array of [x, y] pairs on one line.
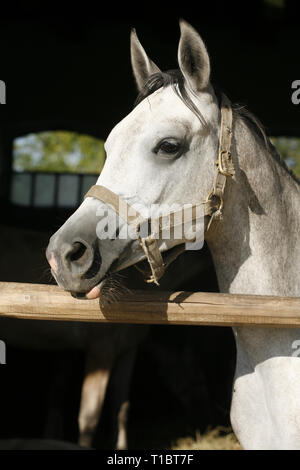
[[75, 264]]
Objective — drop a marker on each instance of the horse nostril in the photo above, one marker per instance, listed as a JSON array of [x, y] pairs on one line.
[[78, 250], [79, 256], [81, 259]]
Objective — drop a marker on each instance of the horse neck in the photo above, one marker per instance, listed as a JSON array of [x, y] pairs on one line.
[[254, 247]]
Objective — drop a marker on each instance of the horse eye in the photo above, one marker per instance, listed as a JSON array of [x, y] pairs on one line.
[[169, 147]]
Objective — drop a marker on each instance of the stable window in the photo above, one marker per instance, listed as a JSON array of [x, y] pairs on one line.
[[54, 168]]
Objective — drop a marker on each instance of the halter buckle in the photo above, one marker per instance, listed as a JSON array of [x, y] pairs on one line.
[[227, 156]]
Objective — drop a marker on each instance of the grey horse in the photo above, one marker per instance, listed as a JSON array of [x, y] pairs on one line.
[[164, 151]]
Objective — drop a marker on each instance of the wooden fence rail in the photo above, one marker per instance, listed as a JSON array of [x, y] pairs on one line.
[[45, 302]]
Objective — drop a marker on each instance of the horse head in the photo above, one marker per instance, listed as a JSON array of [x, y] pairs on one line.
[[162, 153]]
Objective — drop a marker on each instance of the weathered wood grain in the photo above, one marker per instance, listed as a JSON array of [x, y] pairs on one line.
[[45, 302]]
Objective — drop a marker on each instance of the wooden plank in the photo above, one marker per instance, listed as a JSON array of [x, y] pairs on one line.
[[47, 302]]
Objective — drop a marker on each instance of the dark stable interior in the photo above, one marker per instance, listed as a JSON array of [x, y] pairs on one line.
[[69, 69]]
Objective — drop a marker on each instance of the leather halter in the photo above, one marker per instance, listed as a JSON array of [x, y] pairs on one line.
[[213, 205]]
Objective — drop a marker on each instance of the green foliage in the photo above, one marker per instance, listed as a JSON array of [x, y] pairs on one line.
[[289, 149], [58, 151]]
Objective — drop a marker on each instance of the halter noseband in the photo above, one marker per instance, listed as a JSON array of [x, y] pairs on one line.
[[213, 205]]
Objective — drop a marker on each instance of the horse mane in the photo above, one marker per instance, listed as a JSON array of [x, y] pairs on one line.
[[175, 79], [254, 123]]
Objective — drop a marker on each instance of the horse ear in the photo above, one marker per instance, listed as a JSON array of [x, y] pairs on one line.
[[142, 66], [193, 58]]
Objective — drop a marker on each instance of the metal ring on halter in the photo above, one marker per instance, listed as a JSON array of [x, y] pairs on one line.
[[220, 208]]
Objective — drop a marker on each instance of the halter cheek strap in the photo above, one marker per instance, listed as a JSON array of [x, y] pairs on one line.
[[224, 165], [213, 205]]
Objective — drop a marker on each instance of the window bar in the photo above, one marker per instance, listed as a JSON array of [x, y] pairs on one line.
[[32, 188], [56, 189], [79, 191]]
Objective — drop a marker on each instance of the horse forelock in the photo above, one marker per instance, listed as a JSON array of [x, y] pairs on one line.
[[175, 79]]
